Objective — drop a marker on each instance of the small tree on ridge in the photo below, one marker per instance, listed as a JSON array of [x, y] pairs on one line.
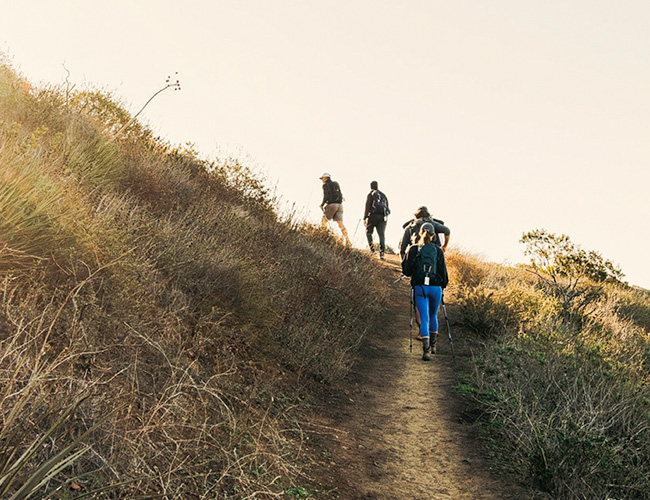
[[562, 264]]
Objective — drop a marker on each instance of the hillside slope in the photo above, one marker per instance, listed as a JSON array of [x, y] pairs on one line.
[[158, 301], [165, 333]]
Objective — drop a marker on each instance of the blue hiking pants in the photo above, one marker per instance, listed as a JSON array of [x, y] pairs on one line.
[[427, 301]]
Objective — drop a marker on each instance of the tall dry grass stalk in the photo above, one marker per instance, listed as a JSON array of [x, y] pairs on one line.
[[165, 284]]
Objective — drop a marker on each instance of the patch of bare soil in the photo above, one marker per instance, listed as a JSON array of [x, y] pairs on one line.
[[395, 429]]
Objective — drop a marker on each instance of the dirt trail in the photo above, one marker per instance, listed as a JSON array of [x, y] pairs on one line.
[[395, 430]]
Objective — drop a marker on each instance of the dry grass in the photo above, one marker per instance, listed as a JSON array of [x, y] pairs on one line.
[[146, 278], [564, 386]]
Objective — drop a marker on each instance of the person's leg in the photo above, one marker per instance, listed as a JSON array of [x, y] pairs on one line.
[[422, 305], [435, 297], [369, 230], [344, 232], [328, 212], [338, 217], [381, 232]]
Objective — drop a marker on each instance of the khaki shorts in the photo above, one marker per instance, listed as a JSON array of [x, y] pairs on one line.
[[333, 211]]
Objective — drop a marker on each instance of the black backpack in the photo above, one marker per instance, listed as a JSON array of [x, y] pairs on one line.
[[379, 203], [332, 192], [425, 265]]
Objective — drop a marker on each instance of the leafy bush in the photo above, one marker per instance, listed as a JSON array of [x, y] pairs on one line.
[[562, 265]]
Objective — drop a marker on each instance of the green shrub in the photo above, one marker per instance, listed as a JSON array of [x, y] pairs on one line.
[[564, 382]]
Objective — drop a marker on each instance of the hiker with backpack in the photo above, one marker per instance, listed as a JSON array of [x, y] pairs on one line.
[[375, 217], [332, 205], [412, 234], [412, 230], [425, 264]]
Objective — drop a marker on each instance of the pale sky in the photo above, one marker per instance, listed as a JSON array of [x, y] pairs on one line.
[[501, 116]]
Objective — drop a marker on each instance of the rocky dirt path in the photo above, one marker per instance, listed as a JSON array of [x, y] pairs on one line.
[[395, 429]]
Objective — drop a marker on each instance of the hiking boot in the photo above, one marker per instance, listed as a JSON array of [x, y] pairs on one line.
[[434, 345], [425, 349], [434, 349], [381, 256]]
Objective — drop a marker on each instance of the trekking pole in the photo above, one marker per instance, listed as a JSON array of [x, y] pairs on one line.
[[411, 324], [354, 236], [451, 342], [401, 277]]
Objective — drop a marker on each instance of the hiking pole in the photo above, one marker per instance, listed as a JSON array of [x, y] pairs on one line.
[[411, 324], [401, 277], [451, 342], [354, 236]]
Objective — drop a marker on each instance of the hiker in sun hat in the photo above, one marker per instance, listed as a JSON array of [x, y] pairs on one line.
[[332, 205], [425, 264], [412, 230], [375, 216]]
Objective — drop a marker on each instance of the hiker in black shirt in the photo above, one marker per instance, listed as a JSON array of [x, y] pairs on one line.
[[412, 230], [375, 217], [332, 205]]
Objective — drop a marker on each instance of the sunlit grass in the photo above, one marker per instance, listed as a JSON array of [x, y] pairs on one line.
[[164, 284], [564, 384]]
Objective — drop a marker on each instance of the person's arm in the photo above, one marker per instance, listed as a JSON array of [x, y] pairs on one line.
[[442, 269], [446, 242], [366, 214], [445, 231], [322, 204], [404, 242], [407, 262]]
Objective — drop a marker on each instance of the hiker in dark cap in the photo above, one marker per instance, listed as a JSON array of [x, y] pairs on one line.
[[425, 264], [332, 205], [412, 230], [375, 217]]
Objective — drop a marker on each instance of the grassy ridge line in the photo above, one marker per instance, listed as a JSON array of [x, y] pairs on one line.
[[140, 274], [563, 385]]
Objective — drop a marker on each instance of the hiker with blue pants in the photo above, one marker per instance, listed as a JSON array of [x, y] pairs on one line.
[[425, 264], [412, 235]]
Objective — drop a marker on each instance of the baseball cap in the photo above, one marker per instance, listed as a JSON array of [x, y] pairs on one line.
[[325, 175]]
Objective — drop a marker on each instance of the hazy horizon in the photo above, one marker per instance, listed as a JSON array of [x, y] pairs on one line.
[[501, 117]]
